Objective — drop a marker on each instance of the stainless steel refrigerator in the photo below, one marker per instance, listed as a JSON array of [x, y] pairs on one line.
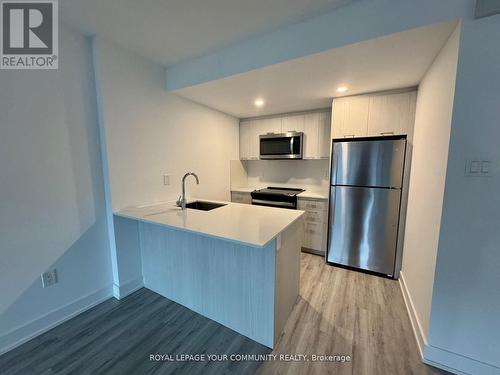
[[366, 214]]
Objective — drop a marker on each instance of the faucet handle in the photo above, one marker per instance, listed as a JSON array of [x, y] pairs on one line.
[[179, 201]]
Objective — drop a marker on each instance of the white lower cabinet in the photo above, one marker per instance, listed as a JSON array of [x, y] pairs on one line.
[[316, 223], [241, 197]]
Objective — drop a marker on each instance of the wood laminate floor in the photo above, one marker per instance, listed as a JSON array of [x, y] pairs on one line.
[[339, 312]]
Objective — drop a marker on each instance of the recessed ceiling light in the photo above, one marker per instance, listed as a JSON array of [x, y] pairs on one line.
[[259, 102], [342, 89]]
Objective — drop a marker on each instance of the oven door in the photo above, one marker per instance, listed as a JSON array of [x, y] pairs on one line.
[[271, 203], [281, 146]]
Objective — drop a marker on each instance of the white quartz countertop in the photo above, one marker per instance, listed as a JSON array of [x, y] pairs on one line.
[[306, 194], [243, 223]]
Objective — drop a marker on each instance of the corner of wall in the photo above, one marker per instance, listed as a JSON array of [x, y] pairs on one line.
[[416, 326], [19, 335], [104, 159], [429, 162]]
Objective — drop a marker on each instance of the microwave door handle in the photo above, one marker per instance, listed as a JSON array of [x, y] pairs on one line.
[[291, 145]]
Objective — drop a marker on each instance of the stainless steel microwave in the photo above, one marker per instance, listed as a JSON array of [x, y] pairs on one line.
[[281, 146]]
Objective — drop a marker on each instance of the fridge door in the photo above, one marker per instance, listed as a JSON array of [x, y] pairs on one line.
[[363, 227], [377, 163]]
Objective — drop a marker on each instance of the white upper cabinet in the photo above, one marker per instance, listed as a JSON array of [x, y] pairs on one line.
[[293, 123], [315, 126], [356, 119], [325, 137], [317, 135], [311, 136], [374, 115], [270, 125], [255, 130], [245, 138], [350, 117], [249, 139], [339, 110], [391, 114]]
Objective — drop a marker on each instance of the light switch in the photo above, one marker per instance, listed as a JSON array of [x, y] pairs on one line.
[[485, 167], [166, 179], [475, 166]]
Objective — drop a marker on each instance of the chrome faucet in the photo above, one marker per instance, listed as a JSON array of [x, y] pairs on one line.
[[181, 202]]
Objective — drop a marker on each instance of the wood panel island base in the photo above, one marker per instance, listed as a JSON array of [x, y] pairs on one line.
[[238, 264]]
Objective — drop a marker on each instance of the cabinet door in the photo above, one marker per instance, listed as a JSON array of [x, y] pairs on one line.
[[408, 121], [356, 120], [271, 125], [311, 136], [256, 130], [317, 135], [294, 123], [245, 136], [339, 110], [313, 237], [315, 220], [391, 114], [325, 138]]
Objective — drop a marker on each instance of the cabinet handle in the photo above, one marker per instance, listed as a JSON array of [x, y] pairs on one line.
[[387, 133], [349, 135]]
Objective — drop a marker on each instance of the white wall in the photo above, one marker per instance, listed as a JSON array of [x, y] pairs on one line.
[[308, 174], [51, 195], [466, 299], [428, 170], [150, 133]]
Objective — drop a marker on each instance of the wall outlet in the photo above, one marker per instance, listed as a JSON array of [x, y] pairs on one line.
[[49, 278], [166, 179]]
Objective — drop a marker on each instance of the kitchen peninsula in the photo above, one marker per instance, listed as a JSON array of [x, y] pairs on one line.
[[236, 264]]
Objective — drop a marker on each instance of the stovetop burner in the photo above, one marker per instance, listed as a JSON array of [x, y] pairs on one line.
[[280, 191]]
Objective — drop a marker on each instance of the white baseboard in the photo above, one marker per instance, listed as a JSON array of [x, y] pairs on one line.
[[437, 357], [20, 335], [412, 313], [129, 287], [456, 363]]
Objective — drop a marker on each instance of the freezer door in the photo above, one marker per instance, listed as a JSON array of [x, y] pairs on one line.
[[363, 227], [377, 163]]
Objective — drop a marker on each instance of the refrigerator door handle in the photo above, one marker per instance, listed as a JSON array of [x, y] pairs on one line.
[[332, 206]]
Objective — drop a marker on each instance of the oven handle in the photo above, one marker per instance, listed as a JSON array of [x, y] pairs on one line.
[[272, 203]]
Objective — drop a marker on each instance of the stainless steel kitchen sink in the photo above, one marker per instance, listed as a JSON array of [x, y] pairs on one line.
[[203, 206]]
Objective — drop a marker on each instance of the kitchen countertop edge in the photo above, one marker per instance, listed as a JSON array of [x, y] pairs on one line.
[[256, 244]]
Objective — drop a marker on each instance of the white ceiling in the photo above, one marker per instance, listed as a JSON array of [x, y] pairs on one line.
[[394, 61], [171, 31]]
